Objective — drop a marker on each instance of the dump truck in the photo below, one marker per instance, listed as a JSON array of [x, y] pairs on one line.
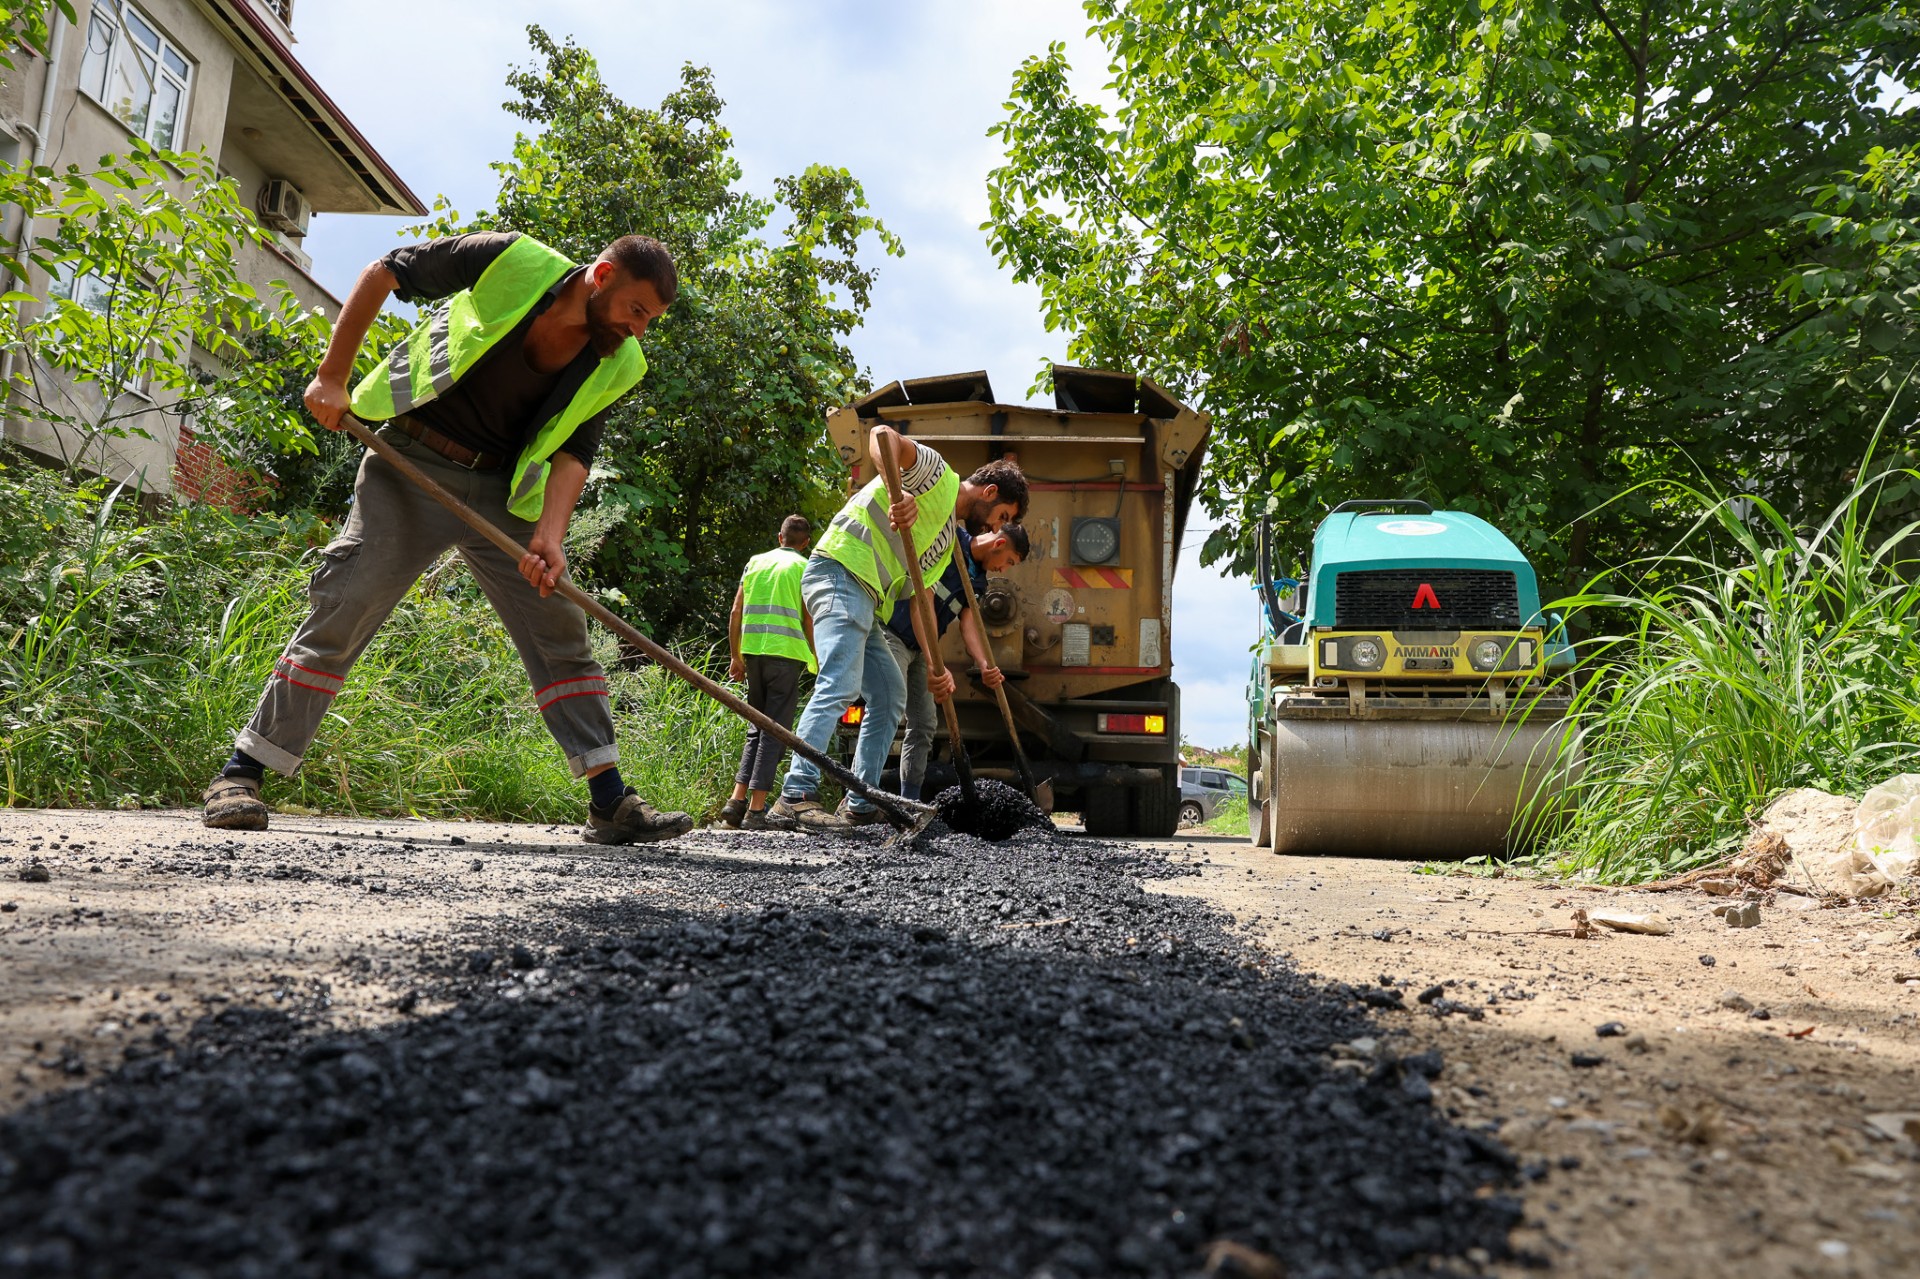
[[1408, 694], [1083, 628]]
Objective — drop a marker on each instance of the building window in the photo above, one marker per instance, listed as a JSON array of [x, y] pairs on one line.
[[135, 73], [86, 288], [283, 10]]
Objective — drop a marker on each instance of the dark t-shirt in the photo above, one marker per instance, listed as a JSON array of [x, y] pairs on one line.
[[502, 400], [949, 601]]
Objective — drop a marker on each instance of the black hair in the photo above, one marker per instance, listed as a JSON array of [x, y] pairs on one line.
[[795, 529], [1007, 478], [1016, 535], [641, 257]]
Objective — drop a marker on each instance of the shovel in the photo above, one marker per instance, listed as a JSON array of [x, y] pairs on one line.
[[923, 605], [906, 816], [1041, 793]]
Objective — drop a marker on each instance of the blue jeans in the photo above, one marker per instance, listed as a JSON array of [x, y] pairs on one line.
[[854, 661]]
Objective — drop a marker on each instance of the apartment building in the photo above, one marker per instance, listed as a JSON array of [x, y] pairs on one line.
[[217, 76]]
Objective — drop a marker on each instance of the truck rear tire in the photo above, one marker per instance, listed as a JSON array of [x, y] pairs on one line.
[[1156, 808], [1103, 811]]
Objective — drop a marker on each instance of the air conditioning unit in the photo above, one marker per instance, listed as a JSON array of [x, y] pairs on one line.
[[283, 208]]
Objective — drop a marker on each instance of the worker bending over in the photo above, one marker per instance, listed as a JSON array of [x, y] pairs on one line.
[[857, 575], [500, 394], [770, 638], [981, 555]]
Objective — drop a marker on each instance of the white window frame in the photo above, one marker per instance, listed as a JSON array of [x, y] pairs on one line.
[[119, 49], [91, 291]]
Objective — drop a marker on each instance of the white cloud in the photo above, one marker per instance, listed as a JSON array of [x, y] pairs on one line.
[[899, 94]]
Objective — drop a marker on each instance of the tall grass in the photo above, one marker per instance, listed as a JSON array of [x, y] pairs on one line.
[[134, 649], [1765, 658]]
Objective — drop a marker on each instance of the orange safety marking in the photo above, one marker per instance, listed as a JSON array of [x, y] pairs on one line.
[[1119, 579]]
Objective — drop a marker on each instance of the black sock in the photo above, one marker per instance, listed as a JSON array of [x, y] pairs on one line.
[[244, 765], [607, 789]]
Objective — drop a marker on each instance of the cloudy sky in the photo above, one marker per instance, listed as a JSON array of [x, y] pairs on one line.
[[900, 94]]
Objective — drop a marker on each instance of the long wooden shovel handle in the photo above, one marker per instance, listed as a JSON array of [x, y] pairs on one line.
[[903, 813], [999, 690], [923, 606]]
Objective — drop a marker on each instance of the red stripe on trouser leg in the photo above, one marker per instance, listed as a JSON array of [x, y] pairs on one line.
[[577, 679], [601, 692], [327, 692], [338, 679]]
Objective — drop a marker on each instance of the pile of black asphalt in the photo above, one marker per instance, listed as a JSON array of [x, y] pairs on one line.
[[995, 810], [967, 1058]]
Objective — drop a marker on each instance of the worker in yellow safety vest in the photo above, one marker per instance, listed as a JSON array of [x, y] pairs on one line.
[[770, 638], [499, 393], [856, 578]]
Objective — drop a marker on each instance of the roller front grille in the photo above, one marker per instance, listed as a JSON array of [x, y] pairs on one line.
[[1449, 599]]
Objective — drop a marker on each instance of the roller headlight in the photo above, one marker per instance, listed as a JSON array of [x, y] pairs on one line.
[[1366, 654], [1487, 653]]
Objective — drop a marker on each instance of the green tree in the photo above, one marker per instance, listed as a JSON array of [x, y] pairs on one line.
[[143, 313], [28, 26], [724, 437], [1514, 257]]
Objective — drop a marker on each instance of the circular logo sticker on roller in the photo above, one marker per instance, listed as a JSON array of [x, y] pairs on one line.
[[1412, 528], [1059, 605]]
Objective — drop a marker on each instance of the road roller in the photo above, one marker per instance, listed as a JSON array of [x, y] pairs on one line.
[[1408, 696]]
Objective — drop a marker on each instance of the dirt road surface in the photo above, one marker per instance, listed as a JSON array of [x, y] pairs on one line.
[[1698, 1103], [1700, 1099]]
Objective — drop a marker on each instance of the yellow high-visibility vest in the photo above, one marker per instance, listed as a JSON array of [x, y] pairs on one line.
[[863, 538], [771, 607], [452, 336]]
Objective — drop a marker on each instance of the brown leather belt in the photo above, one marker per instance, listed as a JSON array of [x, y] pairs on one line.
[[458, 454]]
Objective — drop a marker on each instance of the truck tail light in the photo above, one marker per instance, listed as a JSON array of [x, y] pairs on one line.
[[853, 715], [1132, 723]]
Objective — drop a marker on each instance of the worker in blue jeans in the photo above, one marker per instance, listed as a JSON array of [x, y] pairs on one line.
[[853, 582]]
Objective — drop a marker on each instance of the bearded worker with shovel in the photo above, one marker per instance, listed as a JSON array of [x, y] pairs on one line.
[[855, 579], [500, 394]]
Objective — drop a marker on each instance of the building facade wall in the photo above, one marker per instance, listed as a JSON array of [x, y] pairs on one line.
[[81, 131]]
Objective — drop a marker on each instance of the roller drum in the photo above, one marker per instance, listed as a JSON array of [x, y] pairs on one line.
[[1404, 788]]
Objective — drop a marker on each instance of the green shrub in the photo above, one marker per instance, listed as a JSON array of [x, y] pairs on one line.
[[1769, 658], [135, 649]]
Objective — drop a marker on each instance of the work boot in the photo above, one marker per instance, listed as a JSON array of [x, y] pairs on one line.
[[732, 811], [233, 803], [806, 813], [635, 821], [860, 816], [768, 819]]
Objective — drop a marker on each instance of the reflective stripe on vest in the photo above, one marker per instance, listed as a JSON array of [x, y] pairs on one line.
[[862, 538], [452, 337], [770, 622]]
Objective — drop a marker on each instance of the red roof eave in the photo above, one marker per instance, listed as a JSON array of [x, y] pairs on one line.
[[304, 93]]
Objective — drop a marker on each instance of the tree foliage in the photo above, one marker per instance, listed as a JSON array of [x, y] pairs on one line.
[[143, 310], [724, 436], [1513, 257], [28, 26]]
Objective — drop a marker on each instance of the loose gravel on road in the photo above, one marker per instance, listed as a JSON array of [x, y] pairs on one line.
[[963, 1058]]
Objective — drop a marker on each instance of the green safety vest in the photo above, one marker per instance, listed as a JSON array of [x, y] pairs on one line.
[[452, 336], [770, 622], [863, 538]]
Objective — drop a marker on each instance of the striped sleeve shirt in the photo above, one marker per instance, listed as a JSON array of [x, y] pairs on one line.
[[927, 470]]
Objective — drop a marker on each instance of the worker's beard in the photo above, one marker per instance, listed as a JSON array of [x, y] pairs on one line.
[[975, 512], [602, 333]]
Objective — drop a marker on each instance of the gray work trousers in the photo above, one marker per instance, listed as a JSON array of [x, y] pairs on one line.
[[394, 534], [773, 688], [923, 715]]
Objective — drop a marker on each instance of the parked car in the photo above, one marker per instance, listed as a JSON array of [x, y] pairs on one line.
[[1203, 790]]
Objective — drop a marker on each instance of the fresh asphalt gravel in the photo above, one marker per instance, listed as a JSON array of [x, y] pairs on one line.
[[998, 811], [957, 1058]]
